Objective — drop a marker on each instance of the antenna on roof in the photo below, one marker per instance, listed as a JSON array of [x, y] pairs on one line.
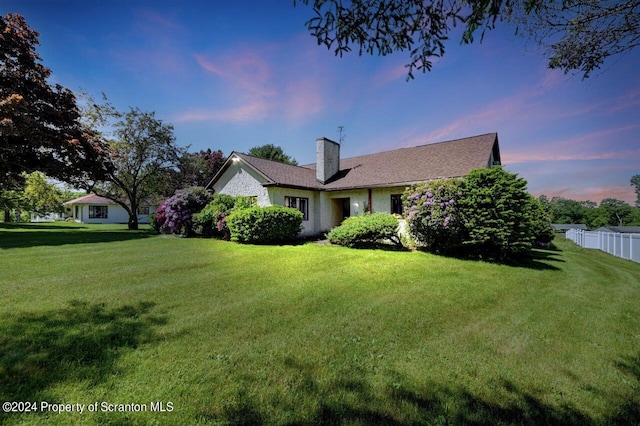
[[341, 134]]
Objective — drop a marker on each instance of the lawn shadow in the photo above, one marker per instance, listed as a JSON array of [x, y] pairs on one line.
[[540, 259], [350, 399], [34, 235], [78, 343]]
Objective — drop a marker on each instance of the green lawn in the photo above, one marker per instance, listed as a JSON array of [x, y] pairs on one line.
[[222, 333]]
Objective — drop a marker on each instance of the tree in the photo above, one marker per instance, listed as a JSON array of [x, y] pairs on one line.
[[40, 125], [11, 198], [41, 196], [617, 212], [496, 210], [141, 154], [635, 182], [194, 169], [272, 152], [563, 210], [579, 34]]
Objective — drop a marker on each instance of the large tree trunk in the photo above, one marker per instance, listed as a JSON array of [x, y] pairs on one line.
[[133, 221], [7, 216]]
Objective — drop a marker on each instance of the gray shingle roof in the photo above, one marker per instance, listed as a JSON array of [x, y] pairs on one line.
[[398, 167]]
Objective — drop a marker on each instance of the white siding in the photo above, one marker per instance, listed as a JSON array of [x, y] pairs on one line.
[[241, 180], [115, 214], [310, 226]]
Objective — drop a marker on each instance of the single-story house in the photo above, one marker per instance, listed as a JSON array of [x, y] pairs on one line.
[[562, 228], [93, 208], [619, 229], [333, 188]]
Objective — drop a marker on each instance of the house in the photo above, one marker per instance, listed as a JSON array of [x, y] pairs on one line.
[[562, 228], [619, 229], [93, 208], [334, 188]]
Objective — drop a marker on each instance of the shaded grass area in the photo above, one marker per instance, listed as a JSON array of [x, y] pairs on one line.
[[312, 334], [20, 235]]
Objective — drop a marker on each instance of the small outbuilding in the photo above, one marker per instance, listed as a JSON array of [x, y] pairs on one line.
[[93, 208]]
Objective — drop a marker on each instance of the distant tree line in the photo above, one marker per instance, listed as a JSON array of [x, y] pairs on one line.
[[610, 212]]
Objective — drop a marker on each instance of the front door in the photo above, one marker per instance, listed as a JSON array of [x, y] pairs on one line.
[[341, 210]]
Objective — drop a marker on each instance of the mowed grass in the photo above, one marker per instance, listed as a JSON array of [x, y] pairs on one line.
[[222, 333]]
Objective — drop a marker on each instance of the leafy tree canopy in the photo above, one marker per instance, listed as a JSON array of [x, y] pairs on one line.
[[194, 169], [142, 151], [42, 196], [272, 152], [577, 34], [40, 126]]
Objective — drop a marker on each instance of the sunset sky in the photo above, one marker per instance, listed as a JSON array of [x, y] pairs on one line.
[[233, 75]]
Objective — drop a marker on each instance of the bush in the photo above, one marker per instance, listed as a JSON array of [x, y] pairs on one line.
[[262, 225], [541, 229], [488, 214], [366, 230], [212, 220], [175, 214], [495, 207], [433, 214]]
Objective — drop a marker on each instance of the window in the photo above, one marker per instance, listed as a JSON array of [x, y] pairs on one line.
[[98, 212], [299, 203], [396, 204], [143, 210]]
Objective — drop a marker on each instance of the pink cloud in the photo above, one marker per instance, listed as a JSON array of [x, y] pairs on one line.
[[258, 84], [589, 146]]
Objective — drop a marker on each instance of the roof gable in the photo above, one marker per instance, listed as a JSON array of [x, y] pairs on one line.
[[398, 167], [90, 199]]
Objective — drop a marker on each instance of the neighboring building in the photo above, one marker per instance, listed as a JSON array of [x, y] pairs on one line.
[[619, 229], [562, 228], [96, 209], [332, 189]]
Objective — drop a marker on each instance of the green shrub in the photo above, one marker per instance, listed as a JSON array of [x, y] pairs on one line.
[[263, 225], [212, 220], [366, 230], [495, 207], [541, 229]]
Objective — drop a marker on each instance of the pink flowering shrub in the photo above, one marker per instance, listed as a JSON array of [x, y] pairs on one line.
[[433, 214], [212, 220], [175, 214]]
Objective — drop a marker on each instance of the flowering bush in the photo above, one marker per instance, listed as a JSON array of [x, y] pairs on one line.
[[433, 214], [174, 216], [212, 220]]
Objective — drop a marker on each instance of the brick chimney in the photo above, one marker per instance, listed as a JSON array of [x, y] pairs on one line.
[[327, 159]]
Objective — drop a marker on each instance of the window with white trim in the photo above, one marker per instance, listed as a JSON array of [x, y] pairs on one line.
[[98, 212], [298, 203]]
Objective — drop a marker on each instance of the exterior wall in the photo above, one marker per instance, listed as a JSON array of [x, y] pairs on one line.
[[381, 198], [310, 226], [115, 214], [324, 209], [241, 180]]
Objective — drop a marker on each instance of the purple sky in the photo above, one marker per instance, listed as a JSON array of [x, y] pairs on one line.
[[231, 77]]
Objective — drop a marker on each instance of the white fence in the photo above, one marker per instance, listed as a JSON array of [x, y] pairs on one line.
[[626, 246]]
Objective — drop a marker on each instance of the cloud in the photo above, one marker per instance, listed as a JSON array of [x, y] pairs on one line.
[[588, 146], [257, 83]]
